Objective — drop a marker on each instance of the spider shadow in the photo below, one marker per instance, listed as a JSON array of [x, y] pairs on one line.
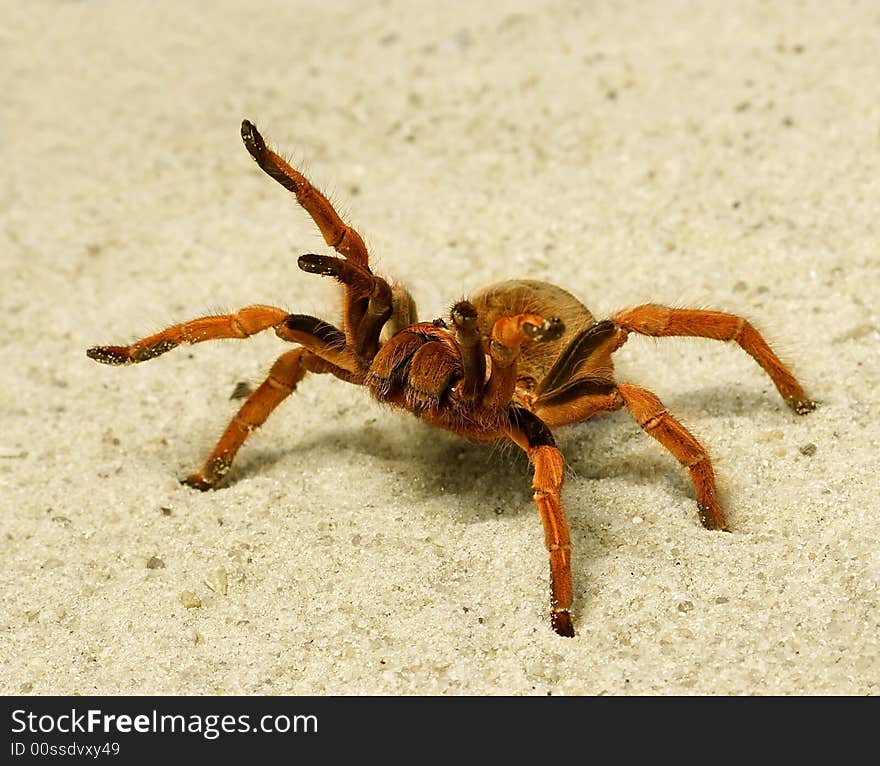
[[491, 478], [495, 478]]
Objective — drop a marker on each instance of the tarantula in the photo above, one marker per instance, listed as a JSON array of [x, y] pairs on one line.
[[516, 360]]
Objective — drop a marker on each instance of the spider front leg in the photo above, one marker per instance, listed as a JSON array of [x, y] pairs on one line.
[[533, 436], [341, 237], [367, 300], [289, 369], [324, 351], [244, 323]]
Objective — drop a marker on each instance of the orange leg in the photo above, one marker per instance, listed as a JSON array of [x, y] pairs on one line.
[[242, 324], [508, 335], [663, 321], [535, 438], [369, 300], [289, 369], [652, 416], [362, 299], [341, 237], [473, 360], [581, 400]]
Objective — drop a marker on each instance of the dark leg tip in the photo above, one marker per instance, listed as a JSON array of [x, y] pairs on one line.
[[326, 266], [197, 481], [712, 518], [110, 355], [802, 405], [562, 624], [552, 329], [464, 315], [253, 141]]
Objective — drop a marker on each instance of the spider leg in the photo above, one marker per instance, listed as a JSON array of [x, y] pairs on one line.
[[660, 321], [320, 337], [287, 371], [533, 436], [578, 400], [337, 234], [473, 360], [242, 324], [368, 304], [367, 300], [508, 335], [649, 412]]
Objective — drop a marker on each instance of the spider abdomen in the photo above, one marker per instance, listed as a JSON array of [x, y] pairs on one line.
[[529, 296]]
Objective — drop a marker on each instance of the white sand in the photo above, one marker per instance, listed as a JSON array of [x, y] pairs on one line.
[[685, 153]]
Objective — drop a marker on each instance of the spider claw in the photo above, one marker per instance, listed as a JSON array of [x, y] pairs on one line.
[[115, 355], [197, 481], [561, 622], [802, 405], [253, 141]]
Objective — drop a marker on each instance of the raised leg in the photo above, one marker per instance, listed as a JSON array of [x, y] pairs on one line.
[[660, 321], [341, 237], [242, 324], [652, 416], [367, 299], [527, 431]]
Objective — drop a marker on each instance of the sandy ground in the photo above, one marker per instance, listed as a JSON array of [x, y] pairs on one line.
[[685, 153]]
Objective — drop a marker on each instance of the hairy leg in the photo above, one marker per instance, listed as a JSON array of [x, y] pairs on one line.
[[242, 324], [368, 305], [337, 234], [649, 412], [661, 321], [367, 299], [529, 433], [287, 371], [577, 401]]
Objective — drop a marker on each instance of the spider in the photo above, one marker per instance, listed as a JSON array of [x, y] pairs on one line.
[[518, 359]]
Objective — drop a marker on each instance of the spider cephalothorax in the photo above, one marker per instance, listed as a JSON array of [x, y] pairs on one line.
[[514, 361]]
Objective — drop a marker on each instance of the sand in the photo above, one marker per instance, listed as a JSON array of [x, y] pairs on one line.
[[692, 154]]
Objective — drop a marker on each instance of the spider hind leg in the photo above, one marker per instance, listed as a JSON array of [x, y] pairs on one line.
[[662, 321]]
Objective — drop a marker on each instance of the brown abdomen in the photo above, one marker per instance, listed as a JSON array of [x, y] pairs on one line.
[[529, 296]]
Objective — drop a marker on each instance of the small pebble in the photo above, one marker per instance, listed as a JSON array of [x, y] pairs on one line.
[[218, 581], [242, 390], [155, 563], [189, 599]]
